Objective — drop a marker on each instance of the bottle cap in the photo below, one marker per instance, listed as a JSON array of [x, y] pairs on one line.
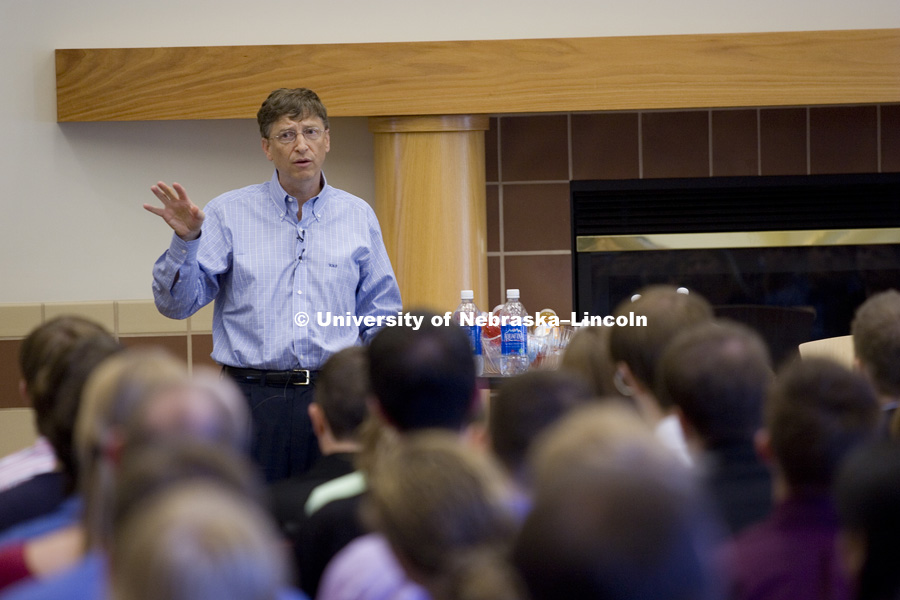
[[512, 294], [466, 295]]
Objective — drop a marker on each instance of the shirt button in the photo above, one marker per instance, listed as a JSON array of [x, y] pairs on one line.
[[299, 291]]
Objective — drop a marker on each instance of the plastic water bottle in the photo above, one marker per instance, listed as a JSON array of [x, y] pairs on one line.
[[513, 338], [465, 316]]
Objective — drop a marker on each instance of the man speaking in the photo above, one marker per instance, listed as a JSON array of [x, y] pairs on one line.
[[272, 256]]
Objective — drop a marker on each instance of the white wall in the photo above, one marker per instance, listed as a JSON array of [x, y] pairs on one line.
[[71, 223]]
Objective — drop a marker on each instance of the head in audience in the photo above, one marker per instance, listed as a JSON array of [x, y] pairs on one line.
[[524, 407], [205, 407], [341, 396], [587, 355], [868, 498], [816, 412], [717, 375], [444, 508], [66, 376], [112, 396], [636, 350], [47, 345], [422, 378], [876, 342], [197, 540], [615, 515]]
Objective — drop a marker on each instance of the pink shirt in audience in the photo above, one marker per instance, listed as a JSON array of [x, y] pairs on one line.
[[26, 463]]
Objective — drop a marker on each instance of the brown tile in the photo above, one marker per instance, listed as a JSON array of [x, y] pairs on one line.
[[734, 148], [174, 344], [536, 217], [890, 138], [534, 148], [490, 152], [10, 375], [675, 144], [495, 293], [543, 281], [605, 146], [492, 197], [843, 139], [201, 348], [782, 140]]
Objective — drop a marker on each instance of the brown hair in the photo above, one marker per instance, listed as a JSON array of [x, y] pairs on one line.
[[876, 340], [718, 374], [297, 103], [668, 314], [817, 411], [439, 504], [342, 390]]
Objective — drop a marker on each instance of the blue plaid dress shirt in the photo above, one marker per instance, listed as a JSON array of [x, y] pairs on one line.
[[270, 275]]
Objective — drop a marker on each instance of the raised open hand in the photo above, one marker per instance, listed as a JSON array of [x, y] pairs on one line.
[[182, 215]]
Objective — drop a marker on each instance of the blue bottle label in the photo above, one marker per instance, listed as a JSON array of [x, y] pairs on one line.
[[513, 340], [474, 333]]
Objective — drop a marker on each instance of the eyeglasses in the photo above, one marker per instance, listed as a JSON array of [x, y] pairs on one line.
[[289, 136]]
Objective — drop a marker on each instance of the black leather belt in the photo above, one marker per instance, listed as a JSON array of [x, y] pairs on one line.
[[292, 377]]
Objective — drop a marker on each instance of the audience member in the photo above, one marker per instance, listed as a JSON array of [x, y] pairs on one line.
[[637, 349], [525, 406], [34, 481], [716, 376], [139, 398], [337, 412], [421, 379], [587, 355], [40, 349], [876, 344], [444, 510], [816, 413], [868, 499], [197, 541], [48, 501], [616, 516]]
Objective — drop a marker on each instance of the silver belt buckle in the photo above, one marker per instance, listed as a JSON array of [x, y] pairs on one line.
[[298, 372]]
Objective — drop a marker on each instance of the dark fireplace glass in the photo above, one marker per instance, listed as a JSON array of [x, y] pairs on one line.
[[853, 222], [831, 280]]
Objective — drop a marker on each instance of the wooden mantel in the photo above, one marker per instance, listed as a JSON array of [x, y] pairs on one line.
[[485, 77]]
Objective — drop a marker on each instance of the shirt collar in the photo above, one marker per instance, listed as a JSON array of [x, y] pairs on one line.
[[287, 204]]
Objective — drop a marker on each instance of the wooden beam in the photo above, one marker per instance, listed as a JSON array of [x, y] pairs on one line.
[[486, 77]]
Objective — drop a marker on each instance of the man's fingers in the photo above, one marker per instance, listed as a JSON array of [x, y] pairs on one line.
[[154, 209]]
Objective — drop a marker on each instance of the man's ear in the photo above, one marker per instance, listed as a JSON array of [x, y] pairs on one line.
[[265, 147], [23, 392], [317, 418], [624, 380]]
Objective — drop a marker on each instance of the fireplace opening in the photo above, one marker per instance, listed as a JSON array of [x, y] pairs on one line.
[[798, 252]]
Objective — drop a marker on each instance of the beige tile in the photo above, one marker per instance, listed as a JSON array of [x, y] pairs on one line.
[[17, 320], [142, 317], [201, 321], [103, 313], [17, 429]]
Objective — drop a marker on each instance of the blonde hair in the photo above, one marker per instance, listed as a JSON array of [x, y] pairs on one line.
[[196, 541], [446, 511], [110, 398]]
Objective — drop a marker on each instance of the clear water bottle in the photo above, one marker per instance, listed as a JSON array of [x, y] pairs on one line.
[[513, 337], [465, 316]]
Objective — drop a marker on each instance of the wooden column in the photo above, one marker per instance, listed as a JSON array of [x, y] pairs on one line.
[[430, 200]]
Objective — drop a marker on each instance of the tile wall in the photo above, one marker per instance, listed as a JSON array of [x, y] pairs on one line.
[[532, 159], [133, 322]]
